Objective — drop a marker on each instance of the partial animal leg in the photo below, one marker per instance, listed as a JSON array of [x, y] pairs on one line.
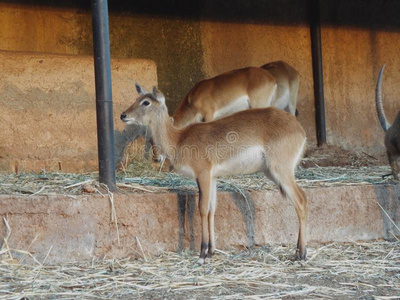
[[291, 106], [204, 183], [298, 197], [213, 205], [289, 188], [294, 91], [302, 213], [394, 161]]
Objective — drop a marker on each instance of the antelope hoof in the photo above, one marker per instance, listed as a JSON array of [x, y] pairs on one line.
[[203, 253], [301, 255], [211, 251], [157, 159]]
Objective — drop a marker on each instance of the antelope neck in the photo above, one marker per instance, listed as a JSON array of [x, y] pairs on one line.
[[165, 135]]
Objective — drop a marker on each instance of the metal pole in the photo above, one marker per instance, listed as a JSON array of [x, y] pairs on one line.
[[316, 52], [104, 107]]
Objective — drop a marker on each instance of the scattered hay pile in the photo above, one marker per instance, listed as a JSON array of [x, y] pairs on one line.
[[335, 271], [143, 177]]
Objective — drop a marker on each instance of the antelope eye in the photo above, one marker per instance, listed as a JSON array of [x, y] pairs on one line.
[[146, 103]]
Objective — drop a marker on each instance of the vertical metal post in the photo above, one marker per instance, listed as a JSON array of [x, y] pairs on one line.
[[316, 52], [104, 105]]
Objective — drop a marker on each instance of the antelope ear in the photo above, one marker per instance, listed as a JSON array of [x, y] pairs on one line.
[[158, 95], [141, 90]]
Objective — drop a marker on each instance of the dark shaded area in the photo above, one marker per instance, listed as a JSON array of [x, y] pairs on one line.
[[174, 45], [123, 138], [245, 204], [359, 13], [186, 209], [389, 198]]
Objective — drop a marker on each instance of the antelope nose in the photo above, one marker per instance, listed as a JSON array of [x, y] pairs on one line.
[[123, 116]]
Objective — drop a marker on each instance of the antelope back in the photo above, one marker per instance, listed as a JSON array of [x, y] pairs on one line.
[[225, 94]]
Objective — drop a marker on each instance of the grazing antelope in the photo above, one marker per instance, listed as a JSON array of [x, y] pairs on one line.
[[266, 140], [287, 80], [274, 84], [392, 136]]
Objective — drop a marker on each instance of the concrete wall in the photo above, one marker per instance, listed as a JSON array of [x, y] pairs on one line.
[[80, 228], [172, 42], [191, 41], [352, 60], [48, 110]]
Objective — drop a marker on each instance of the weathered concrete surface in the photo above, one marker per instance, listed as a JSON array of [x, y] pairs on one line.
[[80, 228], [352, 60], [48, 110]]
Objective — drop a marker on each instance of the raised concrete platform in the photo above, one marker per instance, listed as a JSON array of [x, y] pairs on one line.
[[80, 228]]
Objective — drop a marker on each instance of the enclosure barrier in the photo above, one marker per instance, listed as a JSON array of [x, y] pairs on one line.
[[316, 53], [104, 104]]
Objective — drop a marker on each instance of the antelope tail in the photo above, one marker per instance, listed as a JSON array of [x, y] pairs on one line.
[[379, 106]]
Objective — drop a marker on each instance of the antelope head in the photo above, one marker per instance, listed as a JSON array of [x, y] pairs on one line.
[[146, 108]]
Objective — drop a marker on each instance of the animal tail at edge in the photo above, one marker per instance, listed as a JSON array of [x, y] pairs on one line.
[[379, 106]]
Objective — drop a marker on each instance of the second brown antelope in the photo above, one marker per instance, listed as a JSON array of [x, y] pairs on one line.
[[274, 84], [266, 140], [392, 136]]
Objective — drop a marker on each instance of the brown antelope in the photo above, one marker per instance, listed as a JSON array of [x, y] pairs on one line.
[[266, 140], [274, 84], [392, 136], [287, 80]]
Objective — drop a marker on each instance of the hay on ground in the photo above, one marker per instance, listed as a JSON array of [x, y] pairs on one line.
[[334, 271], [144, 178]]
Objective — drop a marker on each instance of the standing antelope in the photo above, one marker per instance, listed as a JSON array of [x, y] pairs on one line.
[[392, 136], [274, 84], [265, 140]]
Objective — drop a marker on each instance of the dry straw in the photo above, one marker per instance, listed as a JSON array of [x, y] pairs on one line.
[[334, 271], [146, 179]]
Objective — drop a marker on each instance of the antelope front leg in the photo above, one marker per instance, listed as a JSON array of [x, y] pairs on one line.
[[213, 205], [204, 183]]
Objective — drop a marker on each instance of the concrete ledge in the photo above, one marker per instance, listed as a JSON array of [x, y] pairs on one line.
[[80, 228], [48, 110]]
